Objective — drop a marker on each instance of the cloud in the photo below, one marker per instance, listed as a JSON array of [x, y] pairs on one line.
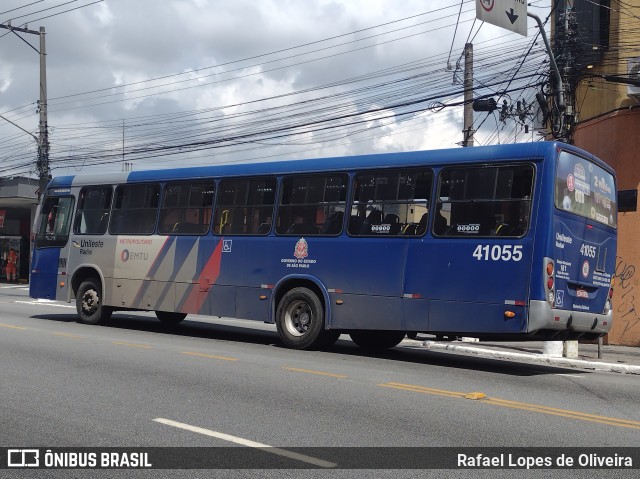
[[128, 54]]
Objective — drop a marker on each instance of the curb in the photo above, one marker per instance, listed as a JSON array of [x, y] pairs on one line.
[[535, 358]]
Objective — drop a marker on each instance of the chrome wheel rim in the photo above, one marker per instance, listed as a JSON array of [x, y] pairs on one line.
[[298, 318]]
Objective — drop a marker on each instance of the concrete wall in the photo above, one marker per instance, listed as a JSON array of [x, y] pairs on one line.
[[615, 138]]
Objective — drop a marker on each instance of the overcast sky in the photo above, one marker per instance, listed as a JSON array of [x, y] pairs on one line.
[[216, 66]]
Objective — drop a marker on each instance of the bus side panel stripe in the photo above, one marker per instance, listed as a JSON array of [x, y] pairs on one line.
[[184, 247], [137, 300], [161, 255], [196, 296]]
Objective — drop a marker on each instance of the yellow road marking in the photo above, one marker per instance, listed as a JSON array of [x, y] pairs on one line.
[[131, 345], [421, 389], [210, 356], [611, 421], [11, 326], [564, 412], [320, 373], [67, 335]]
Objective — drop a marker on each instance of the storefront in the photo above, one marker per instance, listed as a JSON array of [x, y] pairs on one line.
[[18, 201]]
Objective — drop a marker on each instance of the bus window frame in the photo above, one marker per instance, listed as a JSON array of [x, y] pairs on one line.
[[113, 208], [575, 213], [248, 179], [334, 204], [398, 171], [530, 199], [76, 226], [161, 207], [70, 223]]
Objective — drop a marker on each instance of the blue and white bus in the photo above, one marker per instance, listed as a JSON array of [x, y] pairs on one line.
[[513, 242]]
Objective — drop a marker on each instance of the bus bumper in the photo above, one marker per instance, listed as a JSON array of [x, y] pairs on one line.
[[561, 322]]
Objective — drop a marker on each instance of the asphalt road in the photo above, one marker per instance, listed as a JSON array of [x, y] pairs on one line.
[[222, 382]]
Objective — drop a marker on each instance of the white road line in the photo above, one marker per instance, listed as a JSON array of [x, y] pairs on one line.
[[46, 302], [572, 375], [15, 286], [248, 443]]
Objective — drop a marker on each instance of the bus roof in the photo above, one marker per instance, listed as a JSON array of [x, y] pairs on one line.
[[372, 161]]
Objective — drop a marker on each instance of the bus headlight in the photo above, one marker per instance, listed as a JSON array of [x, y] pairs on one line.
[[551, 298], [607, 306]]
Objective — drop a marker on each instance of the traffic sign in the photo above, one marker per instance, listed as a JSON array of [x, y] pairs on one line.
[[509, 14]]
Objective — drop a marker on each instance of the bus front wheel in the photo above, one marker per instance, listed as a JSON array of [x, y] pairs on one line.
[[300, 320], [170, 318], [377, 340], [89, 303]]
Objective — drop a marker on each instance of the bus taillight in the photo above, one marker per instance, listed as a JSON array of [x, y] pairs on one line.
[[608, 302], [551, 295]]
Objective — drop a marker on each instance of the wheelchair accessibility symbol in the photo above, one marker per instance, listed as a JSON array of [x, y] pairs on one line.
[[226, 246], [559, 298]]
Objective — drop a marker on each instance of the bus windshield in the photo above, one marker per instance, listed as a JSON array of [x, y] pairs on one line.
[[585, 189], [54, 222]]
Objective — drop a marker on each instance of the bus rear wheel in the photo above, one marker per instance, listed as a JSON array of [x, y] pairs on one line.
[[89, 303], [170, 318], [300, 321], [377, 340]]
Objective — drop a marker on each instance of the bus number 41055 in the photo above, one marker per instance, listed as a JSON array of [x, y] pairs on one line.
[[498, 252]]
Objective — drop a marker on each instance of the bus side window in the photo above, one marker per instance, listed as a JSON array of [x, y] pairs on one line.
[[135, 209], [484, 201], [186, 208], [94, 205], [312, 205], [245, 206], [391, 203]]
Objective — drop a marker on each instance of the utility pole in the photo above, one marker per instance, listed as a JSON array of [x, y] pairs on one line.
[[468, 95], [42, 162], [43, 144]]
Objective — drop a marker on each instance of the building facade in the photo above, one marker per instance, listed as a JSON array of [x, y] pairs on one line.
[[18, 202], [608, 125]]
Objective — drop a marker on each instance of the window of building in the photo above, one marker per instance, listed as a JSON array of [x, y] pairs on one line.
[[484, 201], [135, 208], [312, 205], [245, 207], [391, 203], [92, 215], [186, 208]]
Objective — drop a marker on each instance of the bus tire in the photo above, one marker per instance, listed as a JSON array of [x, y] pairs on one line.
[[168, 317], [377, 340], [412, 334], [300, 320], [89, 303]]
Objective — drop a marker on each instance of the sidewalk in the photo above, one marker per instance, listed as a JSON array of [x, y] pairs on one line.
[[620, 359]]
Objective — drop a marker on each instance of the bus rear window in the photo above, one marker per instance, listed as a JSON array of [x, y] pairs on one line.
[[585, 189]]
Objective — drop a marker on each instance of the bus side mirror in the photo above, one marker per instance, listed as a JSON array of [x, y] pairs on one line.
[[627, 200]]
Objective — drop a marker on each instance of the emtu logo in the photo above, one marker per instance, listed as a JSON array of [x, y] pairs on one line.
[[23, 458], [124, 256]]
